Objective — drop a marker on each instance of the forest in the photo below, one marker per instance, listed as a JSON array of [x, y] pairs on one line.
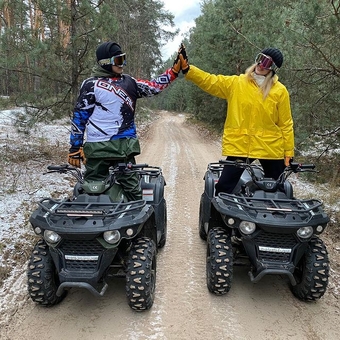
[[47, 49]]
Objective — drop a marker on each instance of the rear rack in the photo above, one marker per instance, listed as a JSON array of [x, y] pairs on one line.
[[88, 209], [215, 166], [151, 171]]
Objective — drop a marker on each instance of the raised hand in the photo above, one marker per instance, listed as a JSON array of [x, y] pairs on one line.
[[182, 54], [176, 67]]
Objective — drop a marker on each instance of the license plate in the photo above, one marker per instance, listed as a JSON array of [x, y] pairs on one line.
[[275, 250]]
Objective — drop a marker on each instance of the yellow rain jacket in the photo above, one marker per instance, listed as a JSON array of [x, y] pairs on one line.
[[254, 127]]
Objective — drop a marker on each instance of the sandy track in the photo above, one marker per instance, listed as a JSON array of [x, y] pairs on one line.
[[183, 308]]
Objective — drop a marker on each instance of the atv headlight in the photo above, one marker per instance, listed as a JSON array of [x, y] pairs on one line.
[[305, 232], [230, 221], [319, 229], [37, 230], [112, 236], [51, 236], [247, 227]]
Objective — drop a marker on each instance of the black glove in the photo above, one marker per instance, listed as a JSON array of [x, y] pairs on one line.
[[184, 59], [76, 155]]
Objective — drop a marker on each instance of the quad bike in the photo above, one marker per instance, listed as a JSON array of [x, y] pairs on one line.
[[97, 234], [263, 226]]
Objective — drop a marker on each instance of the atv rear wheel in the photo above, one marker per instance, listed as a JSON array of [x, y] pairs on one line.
[[202, 233], [311, 273], [141, 274], [42, 277], [219, 269]]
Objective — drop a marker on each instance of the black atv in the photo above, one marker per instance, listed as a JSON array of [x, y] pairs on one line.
[[98, 234], [263, 226]]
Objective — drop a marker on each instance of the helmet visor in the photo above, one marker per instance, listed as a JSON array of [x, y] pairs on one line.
[[117, 60], [265, 62]]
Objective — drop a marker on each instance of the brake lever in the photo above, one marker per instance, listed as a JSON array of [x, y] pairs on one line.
[[308, 170]]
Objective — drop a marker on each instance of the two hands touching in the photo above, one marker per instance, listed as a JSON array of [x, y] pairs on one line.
[[181, 61]]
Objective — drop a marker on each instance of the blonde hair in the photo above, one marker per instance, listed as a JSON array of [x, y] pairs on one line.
[[268, 82]]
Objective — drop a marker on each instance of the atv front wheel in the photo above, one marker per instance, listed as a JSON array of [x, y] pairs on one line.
[[311, 273], [42, 277], [219, 262], [162, 241], [141, 274]]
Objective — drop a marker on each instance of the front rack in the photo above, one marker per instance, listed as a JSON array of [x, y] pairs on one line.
[[269, 204], [88, 209], [272, 211]]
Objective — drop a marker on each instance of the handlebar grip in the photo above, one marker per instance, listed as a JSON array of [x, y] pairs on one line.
[[121, 167], [307, 166], [227, 162], [57, 167], [295, 166], [137, 166]]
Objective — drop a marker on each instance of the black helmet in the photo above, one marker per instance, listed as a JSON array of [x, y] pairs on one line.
[[275, 54], [107, 50]]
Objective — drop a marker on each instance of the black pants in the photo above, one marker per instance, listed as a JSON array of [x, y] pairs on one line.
[[272, 168]]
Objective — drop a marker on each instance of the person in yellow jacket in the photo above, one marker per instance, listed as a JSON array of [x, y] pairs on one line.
[[259, 122]]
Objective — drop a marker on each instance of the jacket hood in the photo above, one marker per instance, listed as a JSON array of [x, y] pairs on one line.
[[98, 71]]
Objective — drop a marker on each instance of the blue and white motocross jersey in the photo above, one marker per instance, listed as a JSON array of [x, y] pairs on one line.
[[106, 106]]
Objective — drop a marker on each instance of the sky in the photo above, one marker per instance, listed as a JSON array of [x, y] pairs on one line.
[[185, 12]]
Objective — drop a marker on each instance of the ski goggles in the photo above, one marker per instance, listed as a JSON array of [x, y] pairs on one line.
[[117, 60], [265, 62]]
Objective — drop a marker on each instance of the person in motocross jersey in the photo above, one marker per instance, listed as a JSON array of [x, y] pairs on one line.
[[105, 114], [258, 123]]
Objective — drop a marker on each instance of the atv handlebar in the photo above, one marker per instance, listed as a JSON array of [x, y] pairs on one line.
[[257, 175], [293, 166], [63, 169], [121, 168]]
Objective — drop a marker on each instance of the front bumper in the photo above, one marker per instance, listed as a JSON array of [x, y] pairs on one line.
[[83, 264], [273, 253]]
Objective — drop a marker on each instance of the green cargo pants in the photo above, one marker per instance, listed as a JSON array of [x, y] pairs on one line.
[[100, 156]]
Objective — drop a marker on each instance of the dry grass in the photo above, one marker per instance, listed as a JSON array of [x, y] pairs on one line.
[[23, 159]]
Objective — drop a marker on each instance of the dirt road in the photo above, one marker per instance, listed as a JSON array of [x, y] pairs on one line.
[[183, 308]]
